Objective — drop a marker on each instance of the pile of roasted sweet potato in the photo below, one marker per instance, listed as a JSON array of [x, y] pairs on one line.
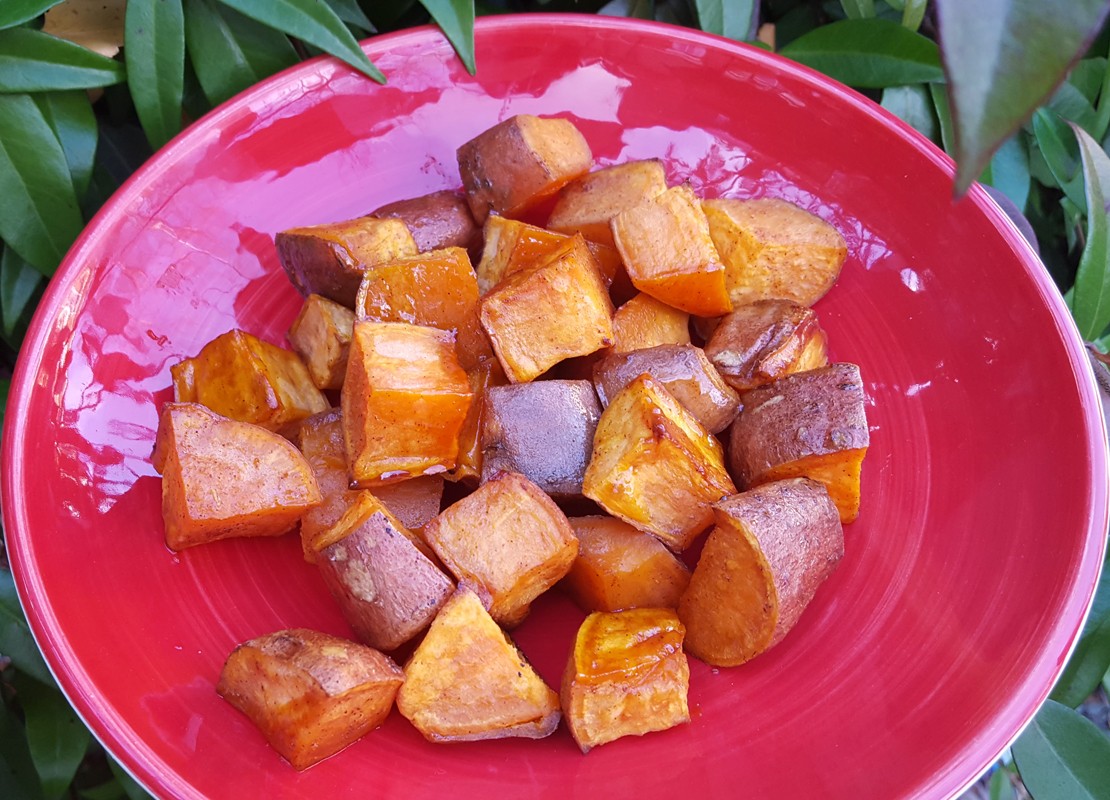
[[518, 381]]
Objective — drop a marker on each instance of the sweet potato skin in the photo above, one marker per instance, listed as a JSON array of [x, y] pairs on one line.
[[309, 693], [771, 549], [626, 676], [467, 681], [436, 220]]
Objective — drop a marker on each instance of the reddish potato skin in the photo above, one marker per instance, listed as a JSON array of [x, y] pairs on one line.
[[436, 220], [684, 370], [771, 549]]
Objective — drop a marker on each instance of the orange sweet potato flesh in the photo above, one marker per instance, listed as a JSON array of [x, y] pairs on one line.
[[684, 370], [404, 401], [507, 541], [626, 676], [588, 204], [619, 567], [321, 336], [196, 450], [764, 340], [509, 168], [486, 374], [436, 220], [771, 549], [240, 376], [309, 693], [386, 588], [437, 289], [655, 466], [467, 681], [644, 322], [810, 424]]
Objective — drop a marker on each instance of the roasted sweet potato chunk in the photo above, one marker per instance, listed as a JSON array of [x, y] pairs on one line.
[[587, 205], [467, 680], [196, 450], [665, 245], [387, 589], [772, 547], [808, 424], [627, 676], [655, 466], [544, 430], [486, 374], [774, 249], [553, 311], [404, 401], [310, 694], [507, 541], [436, 220], [684, 370], [644, 322], [329, 259], [238, 375], [619, 567], [321, 336], [764, 340], [509, 168]]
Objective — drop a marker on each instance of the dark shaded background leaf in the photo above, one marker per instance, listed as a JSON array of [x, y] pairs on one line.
[[914, 106], [154, 47], [56, 737], [1091, 659], [33, 61], [18, 282], [994, 85], [231, 52], [350, 12], [868, 53], [858, 9], [39, 215], [18, 779], [71, 117], [16, 12], [1061, 154], [456, 19], [1063, 756], [735, 19], [312, 22], [16, 641]]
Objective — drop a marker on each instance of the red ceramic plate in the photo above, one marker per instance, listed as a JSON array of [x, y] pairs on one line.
[[966, 578]]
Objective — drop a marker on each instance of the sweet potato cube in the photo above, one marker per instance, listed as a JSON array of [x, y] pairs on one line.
[[764, 340], [655, 466], [555, 310], [404, 401], [436, 220], [507, 541], [808, 424], [486, 374], [197, 451], [321, 336], [684, 370], [587, 205], [329, 259], [467, 680], [665, 245], [238, 375], [509, 168], [626, 676], [437, 289], [387, 589], [544, 430], [774, 249], [644, 322], [310, 694], [772, 547], [619, 567]]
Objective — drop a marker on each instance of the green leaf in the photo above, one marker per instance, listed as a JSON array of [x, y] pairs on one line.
[[1091, 659], [456, 19], [1069, 102], [858, 9], [18, 282], [18, 779], [1004, 64], [71, 117], [33, 61], [868, 53], [56, 737], [16, 641], [231, 52], [154, 47], [914, 106], [1061, 154], [130, 786], [1009, 170], [312, 22], [1000, 787], [1063, 756], [39, 215], [732, 18], [16, 12], [944, 116], [636, 9], [351, 12], [1092, 279], [913, 12]]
